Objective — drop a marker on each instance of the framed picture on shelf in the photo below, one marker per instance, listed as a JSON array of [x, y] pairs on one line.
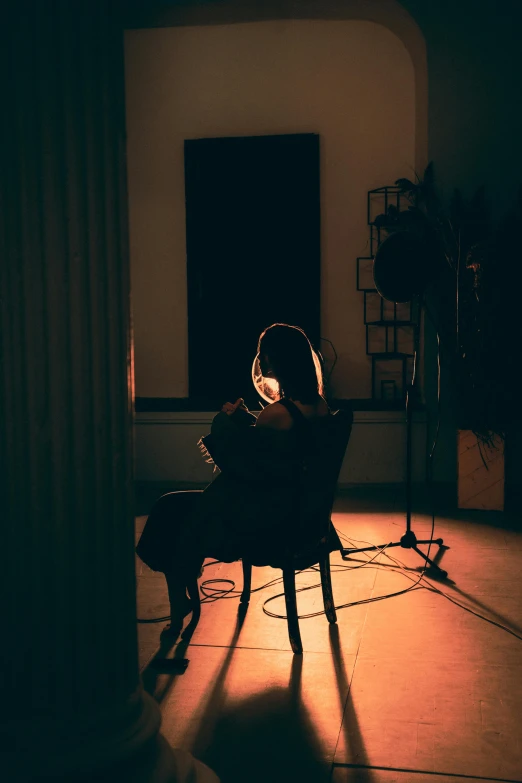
[[389, 374]]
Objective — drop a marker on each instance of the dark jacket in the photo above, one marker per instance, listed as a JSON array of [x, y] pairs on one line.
[[267, 498], [269, 501]]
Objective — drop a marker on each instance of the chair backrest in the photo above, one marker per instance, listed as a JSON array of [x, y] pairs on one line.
[[332, 449], [323, 450], [324, 466]]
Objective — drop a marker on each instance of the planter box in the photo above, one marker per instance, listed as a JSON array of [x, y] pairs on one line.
[[480, 486]]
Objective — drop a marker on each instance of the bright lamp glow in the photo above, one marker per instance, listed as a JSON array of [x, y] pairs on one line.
[[268, 388]]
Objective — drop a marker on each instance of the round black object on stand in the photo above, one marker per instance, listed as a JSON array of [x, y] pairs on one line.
[[403, 267]]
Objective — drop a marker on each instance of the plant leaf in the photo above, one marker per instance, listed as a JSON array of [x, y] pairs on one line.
[[405, 185]]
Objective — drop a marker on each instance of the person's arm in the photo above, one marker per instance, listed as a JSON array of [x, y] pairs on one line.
[[231, 407], [253, 453]]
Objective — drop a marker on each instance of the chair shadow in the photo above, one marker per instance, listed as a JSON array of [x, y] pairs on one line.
[[265, 737], [157, 681], [356, 754]]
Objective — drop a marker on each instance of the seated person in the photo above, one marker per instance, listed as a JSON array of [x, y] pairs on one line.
[[264, 502]]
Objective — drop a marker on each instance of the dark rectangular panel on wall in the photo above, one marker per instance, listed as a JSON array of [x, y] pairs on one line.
[[253, 252]]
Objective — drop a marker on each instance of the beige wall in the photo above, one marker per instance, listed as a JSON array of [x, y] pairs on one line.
[[350, 81]]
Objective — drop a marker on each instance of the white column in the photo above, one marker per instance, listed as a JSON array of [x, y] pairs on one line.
[[72, 705]]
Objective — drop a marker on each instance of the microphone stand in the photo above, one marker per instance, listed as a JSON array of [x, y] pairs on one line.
[[409, 539]]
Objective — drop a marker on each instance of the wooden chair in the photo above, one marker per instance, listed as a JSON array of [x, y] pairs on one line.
[[326, 473]]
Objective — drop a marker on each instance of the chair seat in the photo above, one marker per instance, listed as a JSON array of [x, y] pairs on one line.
[[298, 561], [299, 558]]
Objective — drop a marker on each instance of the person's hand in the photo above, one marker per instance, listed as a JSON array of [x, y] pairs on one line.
[[231, 407]]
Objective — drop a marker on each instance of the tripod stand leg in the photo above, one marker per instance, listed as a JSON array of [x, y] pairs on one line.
[[430, 562], [437, 541]]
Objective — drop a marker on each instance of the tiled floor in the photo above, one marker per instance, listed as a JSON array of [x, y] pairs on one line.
[[409, 689]]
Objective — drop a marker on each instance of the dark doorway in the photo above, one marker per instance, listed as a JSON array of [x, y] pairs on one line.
[[253, 252]]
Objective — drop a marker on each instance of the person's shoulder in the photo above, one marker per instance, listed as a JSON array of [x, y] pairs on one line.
[[275, 417]]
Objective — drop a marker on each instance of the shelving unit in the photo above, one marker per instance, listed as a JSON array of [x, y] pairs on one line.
[[389, 326]]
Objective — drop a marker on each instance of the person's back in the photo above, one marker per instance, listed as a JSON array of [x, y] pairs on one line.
[[277, 415]]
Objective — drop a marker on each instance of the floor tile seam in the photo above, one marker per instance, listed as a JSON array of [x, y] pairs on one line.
[[264, 649], [409, 656], [348, 694], [435, 773], [460, 661], [487, 665], [387, 716]]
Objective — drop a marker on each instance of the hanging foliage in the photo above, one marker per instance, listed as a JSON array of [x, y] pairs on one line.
[[474, 296]]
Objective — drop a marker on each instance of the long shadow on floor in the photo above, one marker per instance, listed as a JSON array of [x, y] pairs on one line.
[[156, 680], [267, 738], [350, 730]]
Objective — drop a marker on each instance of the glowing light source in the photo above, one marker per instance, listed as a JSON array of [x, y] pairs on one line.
[[319, 372], [268, 388]]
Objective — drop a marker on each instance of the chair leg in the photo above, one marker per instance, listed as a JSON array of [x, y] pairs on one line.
[[291, 610], [247, 582], [193, 591], [326, 584]]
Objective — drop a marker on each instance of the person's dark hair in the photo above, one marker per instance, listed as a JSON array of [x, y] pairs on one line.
[[293, 362]]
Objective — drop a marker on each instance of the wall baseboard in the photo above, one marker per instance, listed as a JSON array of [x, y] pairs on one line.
[[166, 447]]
